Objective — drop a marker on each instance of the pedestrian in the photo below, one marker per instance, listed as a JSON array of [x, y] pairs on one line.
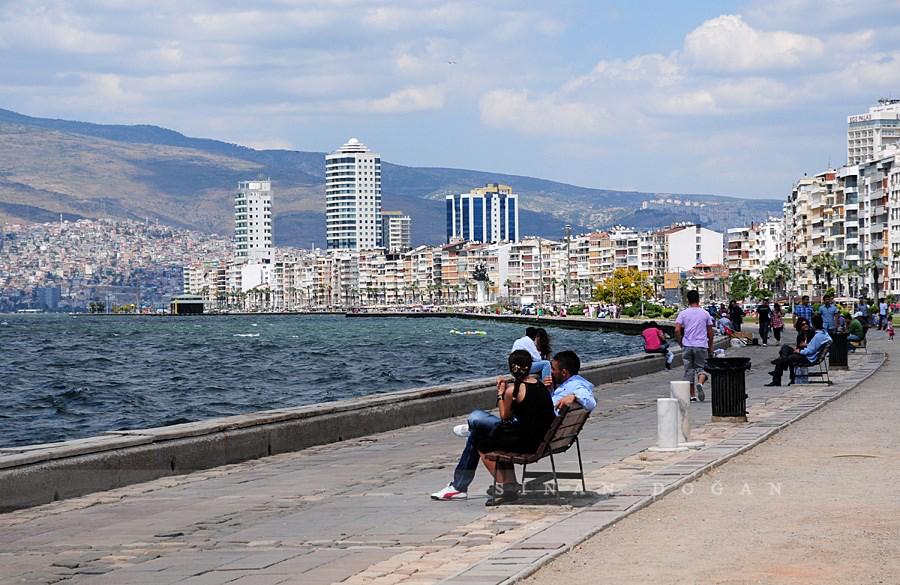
[[882, 314], [736, 314], [829, 315], [694, 331], [764, 315], [803, 310], [537, 343], [777, 322], [890, 329]]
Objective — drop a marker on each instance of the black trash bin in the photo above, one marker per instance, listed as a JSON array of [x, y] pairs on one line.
[[729, 389], [837, 355]]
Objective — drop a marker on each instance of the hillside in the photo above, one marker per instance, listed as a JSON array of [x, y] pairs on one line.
[[77, 169]]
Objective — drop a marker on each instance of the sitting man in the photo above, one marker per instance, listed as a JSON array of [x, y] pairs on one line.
[[856, 331], [655, 342], [570, 387], [801, 357]]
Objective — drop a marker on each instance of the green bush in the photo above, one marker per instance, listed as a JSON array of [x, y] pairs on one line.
[[575, 310], [668, 312]]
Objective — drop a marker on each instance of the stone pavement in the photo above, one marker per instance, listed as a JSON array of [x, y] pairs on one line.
[[358, 512]]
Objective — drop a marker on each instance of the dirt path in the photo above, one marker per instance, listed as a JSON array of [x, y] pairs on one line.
[[819, 503]]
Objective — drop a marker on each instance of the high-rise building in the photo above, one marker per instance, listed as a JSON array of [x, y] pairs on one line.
[[487, 214], [868, 134], [253, 221], [396, 231], [353, 198]]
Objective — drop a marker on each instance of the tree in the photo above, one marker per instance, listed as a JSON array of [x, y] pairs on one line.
[[623, 287], [824, 264], [508, 284], [739, 286], [776, 275]]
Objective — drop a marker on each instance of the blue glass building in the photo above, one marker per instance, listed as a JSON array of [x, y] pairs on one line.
[[486, 214]]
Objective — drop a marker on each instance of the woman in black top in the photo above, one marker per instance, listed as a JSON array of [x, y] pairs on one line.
[[526, 413], [805, 333], [736, 314]]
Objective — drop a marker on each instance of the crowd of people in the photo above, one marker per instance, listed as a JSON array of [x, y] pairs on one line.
[[542, 383]]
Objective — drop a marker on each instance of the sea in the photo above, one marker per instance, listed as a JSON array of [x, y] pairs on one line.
[[66, 377]]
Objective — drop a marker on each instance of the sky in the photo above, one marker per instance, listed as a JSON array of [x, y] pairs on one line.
[[688, 96]]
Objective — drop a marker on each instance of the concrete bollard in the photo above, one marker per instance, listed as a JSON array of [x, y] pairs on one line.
[[681, 391], [667, 426]]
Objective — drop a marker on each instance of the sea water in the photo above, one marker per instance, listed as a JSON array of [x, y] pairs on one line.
[[66, 377]]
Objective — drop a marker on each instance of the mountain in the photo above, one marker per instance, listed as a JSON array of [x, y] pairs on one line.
[[53, 167]]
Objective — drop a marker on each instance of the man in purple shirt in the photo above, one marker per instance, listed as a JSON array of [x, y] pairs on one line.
[[694, 331]]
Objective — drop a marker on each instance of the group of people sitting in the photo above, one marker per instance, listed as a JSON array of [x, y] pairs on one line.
[[527, 406]]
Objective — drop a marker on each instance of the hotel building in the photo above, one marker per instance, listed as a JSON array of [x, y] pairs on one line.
[[253, 221]]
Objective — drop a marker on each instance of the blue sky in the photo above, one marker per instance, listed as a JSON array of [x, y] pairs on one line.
[[724, 97]]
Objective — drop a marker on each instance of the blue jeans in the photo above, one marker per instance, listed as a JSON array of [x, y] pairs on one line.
[[481, 424], [542, 366]]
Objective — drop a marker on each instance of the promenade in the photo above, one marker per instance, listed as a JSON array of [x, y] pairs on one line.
[[358, 512]]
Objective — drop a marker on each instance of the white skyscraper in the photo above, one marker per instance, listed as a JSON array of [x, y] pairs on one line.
[[868, 134], [253, 221], [353, 198]]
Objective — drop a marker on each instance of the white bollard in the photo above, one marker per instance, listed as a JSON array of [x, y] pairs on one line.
[[681, 391], [667, 425]]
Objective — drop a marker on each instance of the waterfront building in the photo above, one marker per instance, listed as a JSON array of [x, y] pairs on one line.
[[870, 133], [396, 231], [486, 214], [353, 218], [253, 221], [751, 248]]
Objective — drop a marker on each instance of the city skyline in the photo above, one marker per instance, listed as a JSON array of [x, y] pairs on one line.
[[589, 93]]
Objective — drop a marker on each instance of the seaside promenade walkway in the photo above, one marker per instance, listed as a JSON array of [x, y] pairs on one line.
[[358, 512]]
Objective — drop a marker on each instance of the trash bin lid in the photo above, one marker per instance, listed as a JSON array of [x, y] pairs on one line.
[[726, 363]]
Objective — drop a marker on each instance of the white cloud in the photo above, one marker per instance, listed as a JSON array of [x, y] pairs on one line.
[[727, 43], [410, 99], [547, 115]]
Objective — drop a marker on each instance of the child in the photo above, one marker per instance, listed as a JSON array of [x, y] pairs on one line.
[[890, 329]]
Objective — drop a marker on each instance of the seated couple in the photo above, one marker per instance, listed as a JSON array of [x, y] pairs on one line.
[[527, 410], [805, 354]]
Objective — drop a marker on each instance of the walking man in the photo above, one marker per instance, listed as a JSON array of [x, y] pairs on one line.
[[764, 315], [694, 331], [803, 310]]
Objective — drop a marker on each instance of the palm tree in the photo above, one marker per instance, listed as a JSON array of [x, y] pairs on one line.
[[776, 275], [508, 284]]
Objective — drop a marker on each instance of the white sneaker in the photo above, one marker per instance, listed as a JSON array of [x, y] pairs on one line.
[[449, 493], [461, 430]]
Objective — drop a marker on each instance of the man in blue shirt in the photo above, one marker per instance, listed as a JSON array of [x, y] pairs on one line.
[[804, 310], [801, 357], [828, 312], [570, 387]]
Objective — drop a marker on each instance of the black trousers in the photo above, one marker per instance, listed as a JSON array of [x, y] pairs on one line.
[[791, 361]]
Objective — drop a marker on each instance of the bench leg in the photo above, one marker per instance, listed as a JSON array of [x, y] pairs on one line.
[[524, 483], [555, 482], [580, 466]]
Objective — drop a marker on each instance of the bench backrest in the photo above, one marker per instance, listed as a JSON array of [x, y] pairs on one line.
[[563, 431], [823, 353]]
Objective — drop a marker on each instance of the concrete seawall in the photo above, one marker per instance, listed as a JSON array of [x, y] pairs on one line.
[[38, 474], [583, 323]]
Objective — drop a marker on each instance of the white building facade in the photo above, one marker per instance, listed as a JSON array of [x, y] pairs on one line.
[[353, 198], [253, 221], [396, 226], [868, 134]]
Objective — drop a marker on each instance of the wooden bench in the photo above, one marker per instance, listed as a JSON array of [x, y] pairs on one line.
[[822, 363], [561, 435]]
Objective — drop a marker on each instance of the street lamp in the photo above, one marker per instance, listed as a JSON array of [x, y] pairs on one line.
[[568, 232]]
